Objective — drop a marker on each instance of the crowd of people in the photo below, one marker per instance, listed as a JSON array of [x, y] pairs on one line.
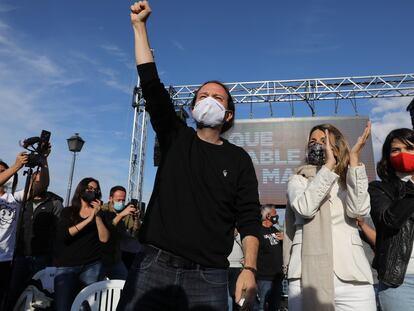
[[86, 241], [205, 242]]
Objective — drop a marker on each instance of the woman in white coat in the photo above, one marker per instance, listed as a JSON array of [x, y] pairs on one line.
[[326, 264]]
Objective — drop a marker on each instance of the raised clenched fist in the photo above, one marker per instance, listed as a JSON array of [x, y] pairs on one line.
[[140, 12]]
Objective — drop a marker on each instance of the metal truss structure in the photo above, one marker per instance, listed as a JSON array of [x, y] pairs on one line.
[[261, 92], [138, 147]]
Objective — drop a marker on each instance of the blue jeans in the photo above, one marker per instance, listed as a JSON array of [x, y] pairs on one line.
[[269, 294], [116, 271], [233, 275], [159, 280], [400, 298], [70, 280]]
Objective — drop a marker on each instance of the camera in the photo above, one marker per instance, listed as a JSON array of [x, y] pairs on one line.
[[37, 146]]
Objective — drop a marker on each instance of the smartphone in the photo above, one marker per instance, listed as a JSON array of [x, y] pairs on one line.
[[134, 202], [242, 304], [44, 140]]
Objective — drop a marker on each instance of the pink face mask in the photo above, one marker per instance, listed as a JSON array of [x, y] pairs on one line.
[[403, 162]]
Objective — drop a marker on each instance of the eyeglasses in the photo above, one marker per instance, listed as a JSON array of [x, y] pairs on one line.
[[92, 189]]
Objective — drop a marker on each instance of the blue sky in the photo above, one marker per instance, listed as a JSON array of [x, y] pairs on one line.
[[69, 67]]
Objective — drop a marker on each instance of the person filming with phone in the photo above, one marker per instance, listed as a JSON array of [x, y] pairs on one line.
[[80, 234], [124, 224]]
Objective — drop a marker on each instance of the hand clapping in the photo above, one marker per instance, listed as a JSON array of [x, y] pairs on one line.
[[330, 161], [359, 145]]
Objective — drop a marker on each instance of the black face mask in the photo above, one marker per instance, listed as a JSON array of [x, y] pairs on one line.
[[89, 196], [274, 219], [316, 154]]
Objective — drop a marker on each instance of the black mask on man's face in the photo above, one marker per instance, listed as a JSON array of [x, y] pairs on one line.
[[89, 196], [274, 219]]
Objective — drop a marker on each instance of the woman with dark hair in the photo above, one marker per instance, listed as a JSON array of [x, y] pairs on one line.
[[392, 207], [80, 233], [326, 265]]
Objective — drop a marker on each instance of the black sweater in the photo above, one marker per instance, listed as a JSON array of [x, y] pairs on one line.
[[201, 190], [80, 249]]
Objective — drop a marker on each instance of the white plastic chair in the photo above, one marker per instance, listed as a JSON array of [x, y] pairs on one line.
[[47, 277], [24, 302], [32, 299], [103, 295]]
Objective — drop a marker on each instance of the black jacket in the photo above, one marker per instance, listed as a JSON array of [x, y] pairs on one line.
[[392, 207], [38, 229]]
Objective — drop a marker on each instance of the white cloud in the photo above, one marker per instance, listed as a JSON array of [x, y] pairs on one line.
[[390, 104], [110, 78], [114, 50], [107, 75], [178, 45], [119, 55], [35, 94], [44, 65], [4, 7], [387, 115]]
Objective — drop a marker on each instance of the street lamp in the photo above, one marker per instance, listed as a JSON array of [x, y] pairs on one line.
[[75, 144]]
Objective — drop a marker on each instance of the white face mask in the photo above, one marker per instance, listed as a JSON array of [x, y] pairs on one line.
[[209, 112]]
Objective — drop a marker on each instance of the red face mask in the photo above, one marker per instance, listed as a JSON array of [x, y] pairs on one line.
[[403, 162]]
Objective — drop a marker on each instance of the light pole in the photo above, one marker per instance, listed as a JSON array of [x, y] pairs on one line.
[[75, 144]]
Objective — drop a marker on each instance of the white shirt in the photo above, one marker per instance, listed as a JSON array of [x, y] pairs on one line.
[[9, 212]]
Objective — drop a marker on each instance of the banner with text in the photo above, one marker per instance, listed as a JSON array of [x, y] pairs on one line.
[[277, 146]]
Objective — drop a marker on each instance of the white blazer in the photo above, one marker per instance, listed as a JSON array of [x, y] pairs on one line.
[[305, 197]]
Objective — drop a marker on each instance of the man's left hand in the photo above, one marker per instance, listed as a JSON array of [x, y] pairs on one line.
[[246, 287]]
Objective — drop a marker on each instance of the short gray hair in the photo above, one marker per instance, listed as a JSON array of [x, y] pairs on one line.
[[265, 209]]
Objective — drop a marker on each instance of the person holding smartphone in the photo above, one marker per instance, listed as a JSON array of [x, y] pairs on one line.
[[124, 224], [80, 234]]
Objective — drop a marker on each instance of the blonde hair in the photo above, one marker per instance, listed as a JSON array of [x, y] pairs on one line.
[[340, 147]]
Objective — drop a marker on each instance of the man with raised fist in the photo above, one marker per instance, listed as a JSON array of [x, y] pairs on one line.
[[204, 188]]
